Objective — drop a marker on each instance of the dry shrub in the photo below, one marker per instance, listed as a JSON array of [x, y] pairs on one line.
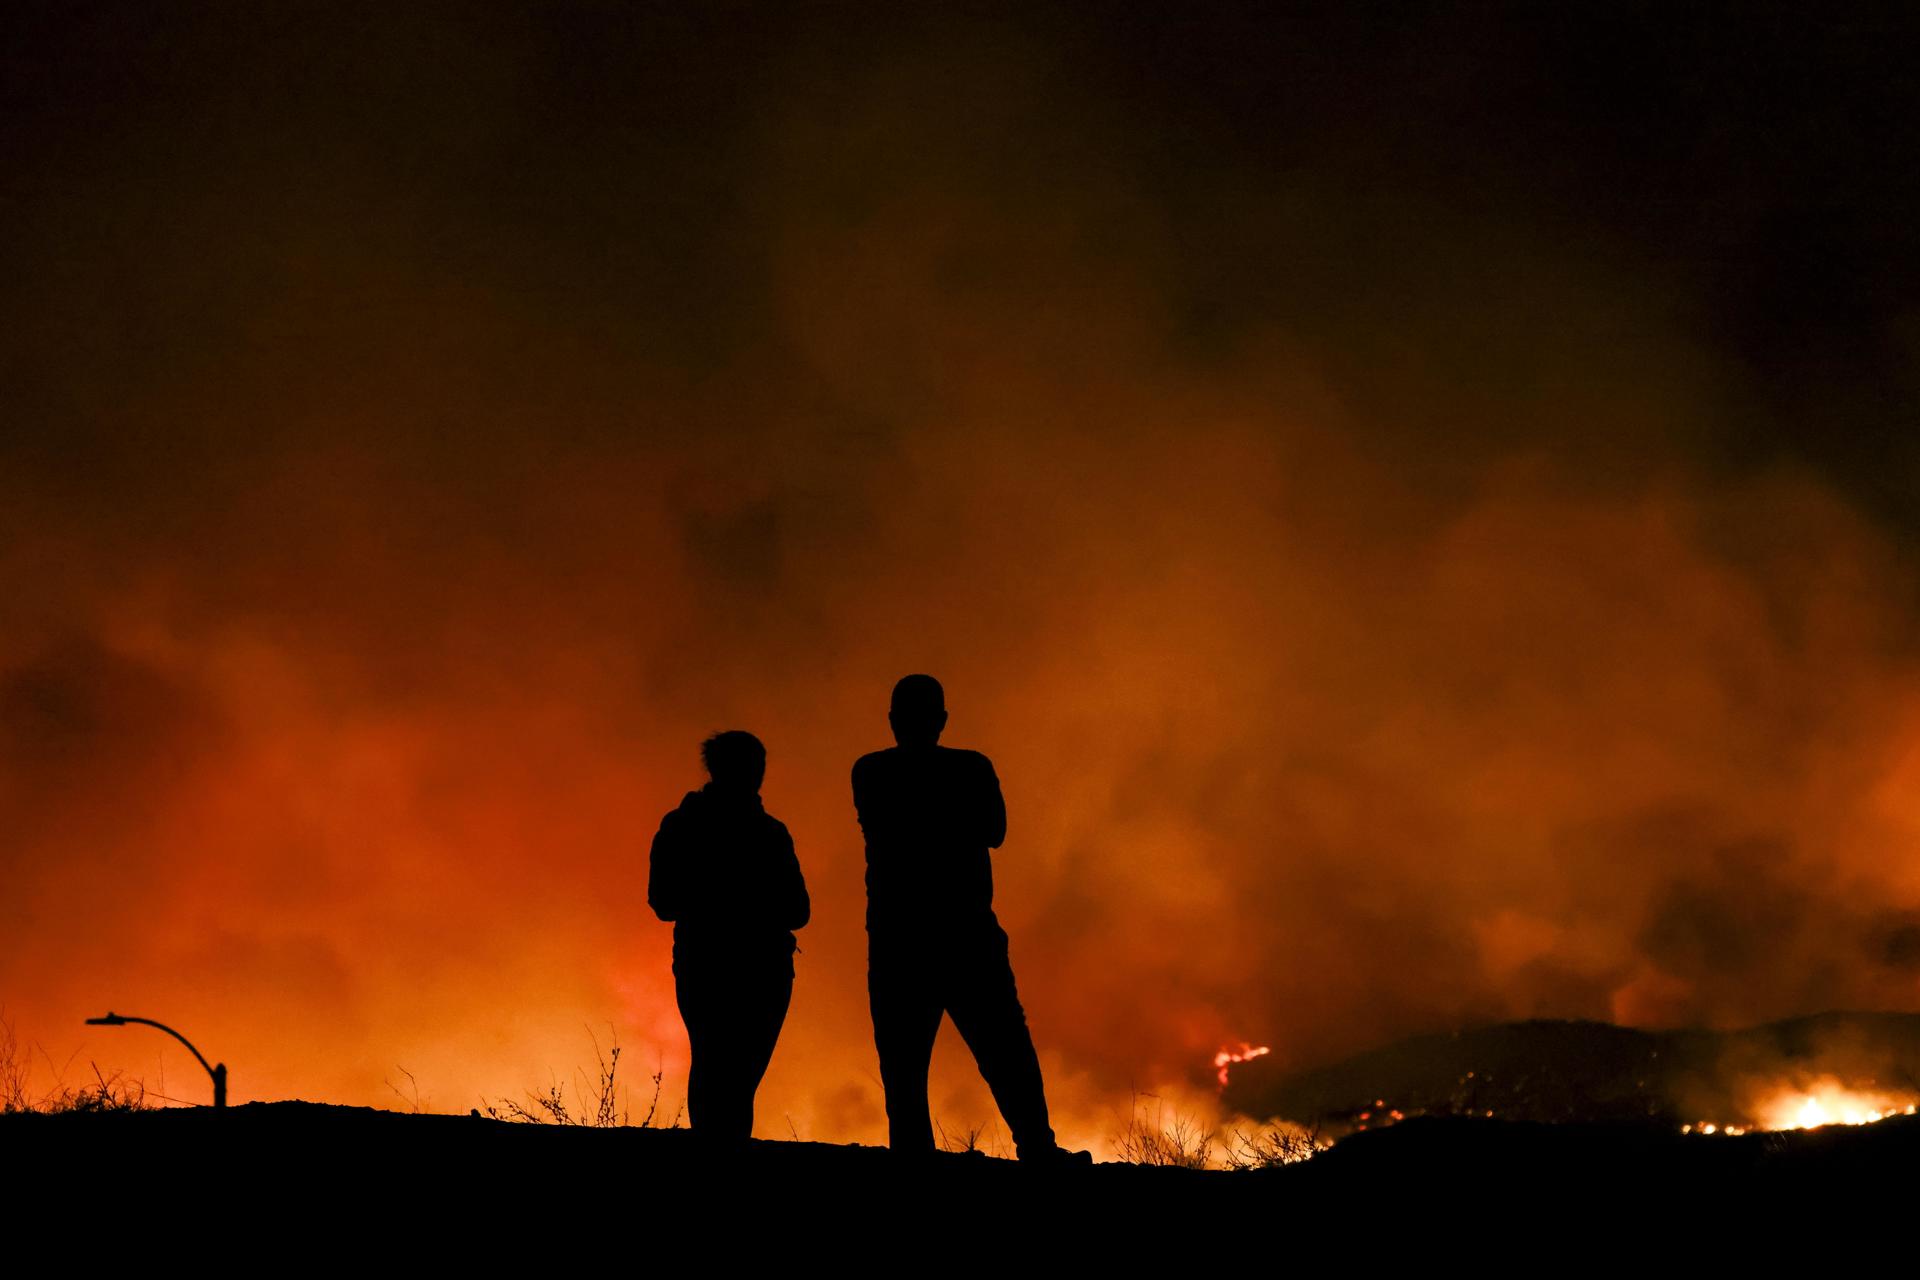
[[1276, 1143], [105, 1092], [604, 1108], [1153, 1137], [14, 1071], [976, 1139]]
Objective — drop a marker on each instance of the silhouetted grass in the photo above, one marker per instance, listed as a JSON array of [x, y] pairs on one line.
[[977, 1139], [415, 1105], [1161, 1140], [106, 1092], [14, 1071], [1271, 1146], [603, 1108]]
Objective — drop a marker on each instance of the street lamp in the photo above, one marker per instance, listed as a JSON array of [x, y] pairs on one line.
[[218, 1073]]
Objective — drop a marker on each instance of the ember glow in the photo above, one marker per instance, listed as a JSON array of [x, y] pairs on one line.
[[1380, 1115]]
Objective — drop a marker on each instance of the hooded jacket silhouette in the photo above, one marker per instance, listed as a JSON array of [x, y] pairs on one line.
[[723, 871]]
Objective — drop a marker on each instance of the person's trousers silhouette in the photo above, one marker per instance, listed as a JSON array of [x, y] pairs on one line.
[[912, 979], [733, 1014]]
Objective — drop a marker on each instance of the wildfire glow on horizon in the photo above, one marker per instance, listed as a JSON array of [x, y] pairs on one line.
[[1824, 1102]]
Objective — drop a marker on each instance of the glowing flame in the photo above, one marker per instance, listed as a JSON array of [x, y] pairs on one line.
[[1227, 1057], [1826, 1101]]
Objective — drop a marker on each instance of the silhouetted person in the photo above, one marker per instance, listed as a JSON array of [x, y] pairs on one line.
[[723, 870], [930, 814]]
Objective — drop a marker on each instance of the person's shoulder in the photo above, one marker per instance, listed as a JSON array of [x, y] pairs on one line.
[[874, 760], [674, 819], [959, 762]]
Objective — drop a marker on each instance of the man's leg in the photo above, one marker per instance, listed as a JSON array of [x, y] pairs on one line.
[[906, 1018], [986, 1011]]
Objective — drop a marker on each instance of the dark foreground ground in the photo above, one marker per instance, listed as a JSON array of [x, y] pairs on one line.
[[293, 1181]]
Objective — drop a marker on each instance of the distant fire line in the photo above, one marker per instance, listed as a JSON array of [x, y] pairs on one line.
[[1827, 1102], [1227, 1057]]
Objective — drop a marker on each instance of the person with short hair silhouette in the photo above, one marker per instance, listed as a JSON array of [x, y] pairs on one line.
[[930, 814], [724, 872]]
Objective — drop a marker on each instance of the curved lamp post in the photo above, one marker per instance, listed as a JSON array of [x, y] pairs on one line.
[[218, 1073]]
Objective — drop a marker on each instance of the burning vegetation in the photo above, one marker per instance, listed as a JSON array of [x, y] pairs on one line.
[[1224, 1060], [1833, 1069], [1827, 1100]]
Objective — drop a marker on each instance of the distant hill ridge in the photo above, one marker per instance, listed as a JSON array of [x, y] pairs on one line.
[[1589, 1072]]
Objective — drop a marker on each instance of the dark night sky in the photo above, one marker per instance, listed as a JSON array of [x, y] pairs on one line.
[[285, 180], [1455, 461]]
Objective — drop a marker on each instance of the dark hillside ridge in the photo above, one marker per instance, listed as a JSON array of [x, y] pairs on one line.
[[1588, 1072]]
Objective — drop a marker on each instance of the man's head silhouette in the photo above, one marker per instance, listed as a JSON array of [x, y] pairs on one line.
[[919, 711], [735, 761]]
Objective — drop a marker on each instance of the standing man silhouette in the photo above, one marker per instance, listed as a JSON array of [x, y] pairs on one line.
[[930, 814]]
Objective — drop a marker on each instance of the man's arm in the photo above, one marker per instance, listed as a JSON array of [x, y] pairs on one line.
[[993, 807], [795, 907], [862, 797]]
